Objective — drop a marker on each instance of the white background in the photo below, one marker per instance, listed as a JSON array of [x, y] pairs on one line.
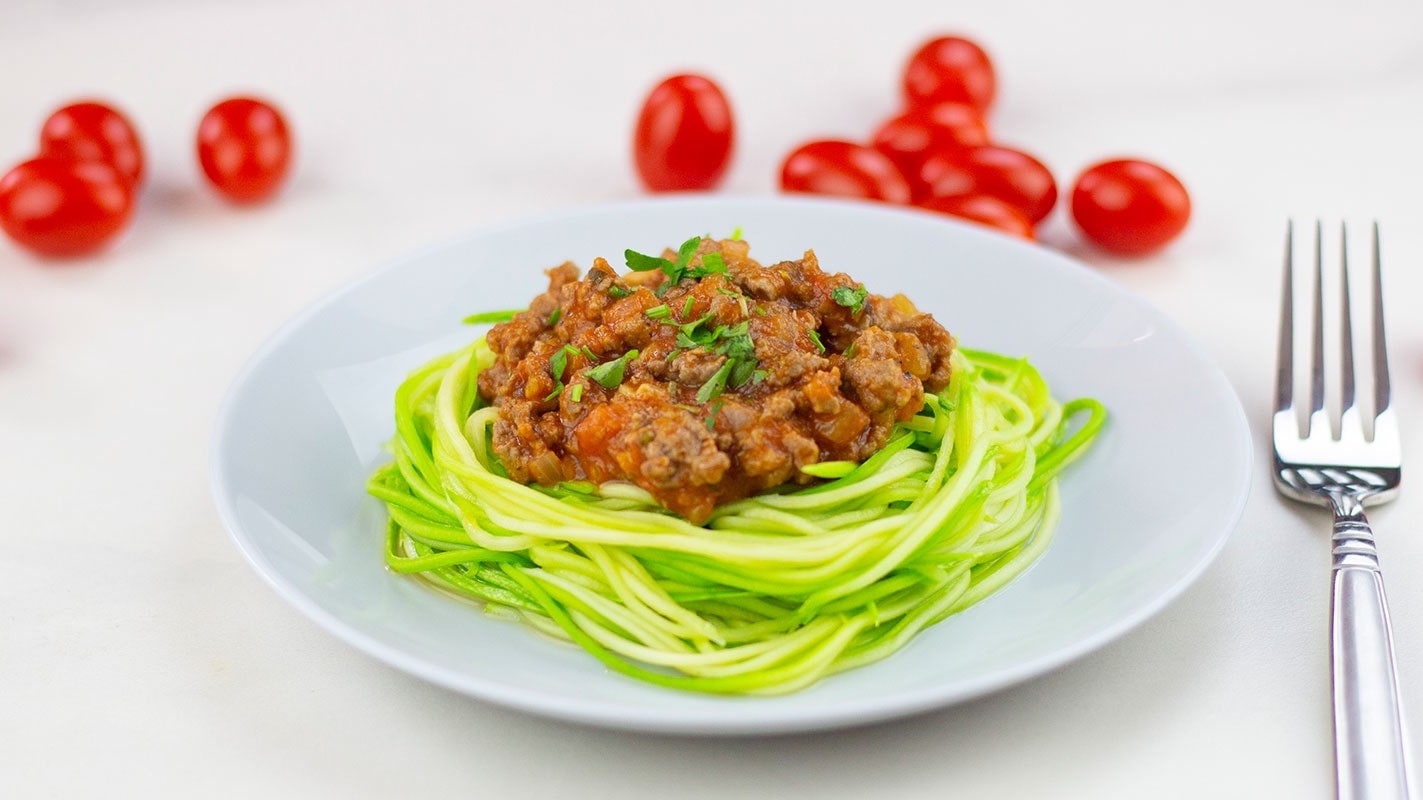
[[140, 655]]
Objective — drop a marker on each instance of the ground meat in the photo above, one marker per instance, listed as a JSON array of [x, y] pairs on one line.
[[741, 378]]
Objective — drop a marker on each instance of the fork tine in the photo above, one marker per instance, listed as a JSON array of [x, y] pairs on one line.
[[1381, 385], [1316, 360], [1285, 359], [1346, 327]]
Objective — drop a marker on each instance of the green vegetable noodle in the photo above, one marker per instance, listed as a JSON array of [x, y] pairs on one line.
[[775, 591]]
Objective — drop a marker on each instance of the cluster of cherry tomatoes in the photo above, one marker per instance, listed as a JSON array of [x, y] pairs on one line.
[[79, 192], [937, 154]]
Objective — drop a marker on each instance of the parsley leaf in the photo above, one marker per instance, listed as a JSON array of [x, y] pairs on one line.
[[850, 297], [639, 262], [716, 382], [558, 362], [684, 257], [609, 375], [741, 372], [711, 418], [712, 264], [815, 337]]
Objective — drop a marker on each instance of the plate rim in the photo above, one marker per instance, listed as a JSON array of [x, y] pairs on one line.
[[790, 719]]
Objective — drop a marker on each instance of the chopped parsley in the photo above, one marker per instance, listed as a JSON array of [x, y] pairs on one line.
[[711, 418], [716, 382], [576, 393], [687, 306], [736, 234], [617, 292], [815, 337], [641, 262], [558, 362], [486, 317], [658, 312], [609, 375], [850, 297], [732, 341], [850, 351], [712, 264], [557, 388]]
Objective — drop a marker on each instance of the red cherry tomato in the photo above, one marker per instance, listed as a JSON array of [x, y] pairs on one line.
[[244, 148], [62, 207], [911, 137], [1130, 207], [1010, 175], [984, 210], [950, 68], [684, 135], [94, 131], [846, 169]]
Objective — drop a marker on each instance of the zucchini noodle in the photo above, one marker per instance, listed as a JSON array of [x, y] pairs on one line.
[[775, 591]]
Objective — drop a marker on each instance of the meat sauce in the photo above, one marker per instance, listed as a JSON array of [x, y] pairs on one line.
[[741, 377]]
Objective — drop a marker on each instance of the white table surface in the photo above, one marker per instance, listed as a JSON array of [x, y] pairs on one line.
[[139, 654]]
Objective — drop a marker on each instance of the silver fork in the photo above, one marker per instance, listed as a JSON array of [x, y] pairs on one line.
[[1345, 470]]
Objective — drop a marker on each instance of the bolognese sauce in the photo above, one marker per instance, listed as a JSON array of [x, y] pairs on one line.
[[705, 377]]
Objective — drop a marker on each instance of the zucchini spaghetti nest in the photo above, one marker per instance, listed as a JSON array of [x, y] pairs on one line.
[[773, 591]]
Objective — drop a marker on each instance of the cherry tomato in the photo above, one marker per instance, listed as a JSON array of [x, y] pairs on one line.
[[1130, 207], [984, 210], [684, 135], [844, 168], [62, 207], [94, 131], [1010, 175], [950, 68], [911, 137], [244, 148]]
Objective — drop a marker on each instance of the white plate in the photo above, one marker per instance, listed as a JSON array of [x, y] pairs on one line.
[[1143, 513]]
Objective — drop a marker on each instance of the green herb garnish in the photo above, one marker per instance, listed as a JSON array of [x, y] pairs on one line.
[[815, 337], [640, 262], [658, 312], [617, 292], [609, 375], [558, 362], [712, 264], [711, 418], [736, 234], [555, 317], [850, 297], [576, 394], [687, 306], [716, 382]]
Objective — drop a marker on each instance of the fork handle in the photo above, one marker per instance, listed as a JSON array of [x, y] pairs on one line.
[[1368, 724]]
